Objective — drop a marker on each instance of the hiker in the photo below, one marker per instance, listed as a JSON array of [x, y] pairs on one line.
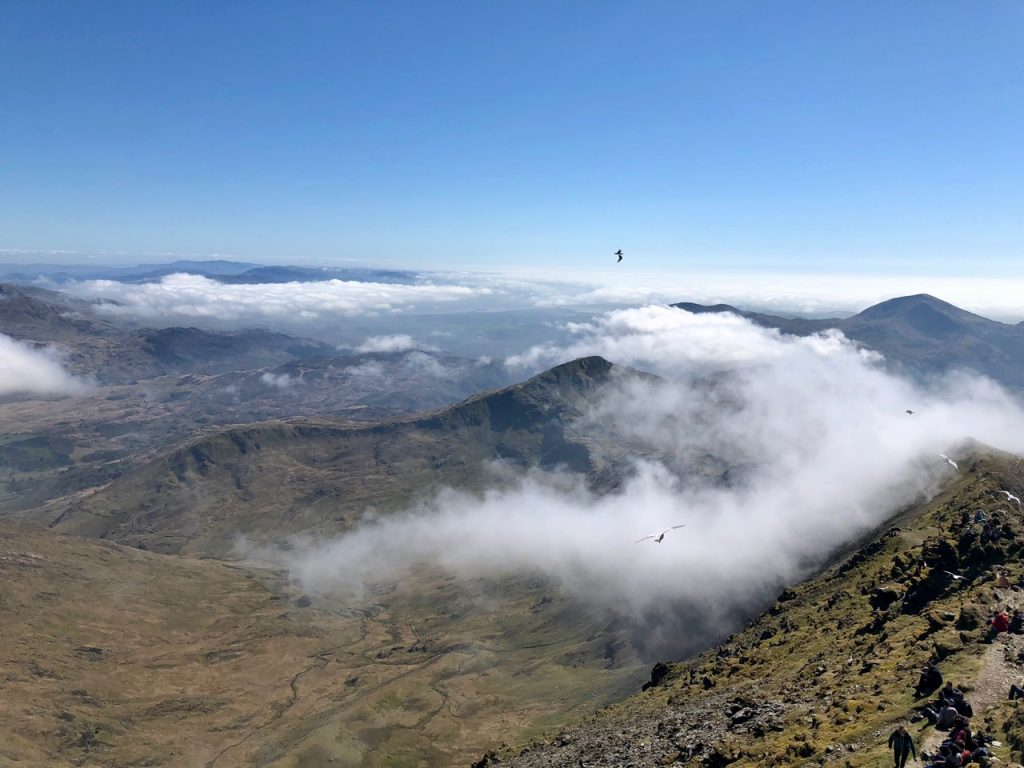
[[1016, 692], [1016, 623], [930, 680], [1001, 581], [999, 622], [944, 758], [963, 708], [945, 716], [951, 692], [902, 744]]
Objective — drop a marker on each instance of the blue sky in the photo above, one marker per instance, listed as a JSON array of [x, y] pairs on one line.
[[813, 137]]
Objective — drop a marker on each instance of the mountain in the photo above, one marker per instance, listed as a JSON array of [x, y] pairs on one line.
[[157, 387], [316, 274], [113, 354], [828, 671], [218, 269], [50, 448], [277, 478], [919, 334], [62, 273]]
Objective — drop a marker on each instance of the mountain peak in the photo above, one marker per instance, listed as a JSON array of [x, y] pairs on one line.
[[921, 306]]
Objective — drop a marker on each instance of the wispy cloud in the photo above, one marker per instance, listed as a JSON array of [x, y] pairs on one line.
[[29, 370], [399, 342], [277, 380]]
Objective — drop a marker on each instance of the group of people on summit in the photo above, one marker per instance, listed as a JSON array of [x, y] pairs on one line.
[[949, 711]]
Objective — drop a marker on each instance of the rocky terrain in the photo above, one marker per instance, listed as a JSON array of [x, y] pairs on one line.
[[826, 673]]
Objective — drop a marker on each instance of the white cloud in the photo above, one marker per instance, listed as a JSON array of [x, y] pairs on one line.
[[399, 342], [279, 381], [812, 431], [27, 370], [185, 296]]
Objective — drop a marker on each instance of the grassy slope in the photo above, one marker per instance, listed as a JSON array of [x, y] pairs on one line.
[[277, 478], [824, 674], [115, 657]]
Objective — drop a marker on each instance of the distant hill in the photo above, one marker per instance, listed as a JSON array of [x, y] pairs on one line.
[[114, 354], [274, 479], [920, 334], [217, 269], [317, 274], [62, 273]]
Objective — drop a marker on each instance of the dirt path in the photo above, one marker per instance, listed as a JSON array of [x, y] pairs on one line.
[[1000, 666]]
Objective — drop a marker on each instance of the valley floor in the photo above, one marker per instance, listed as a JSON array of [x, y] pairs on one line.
[[116, 657]]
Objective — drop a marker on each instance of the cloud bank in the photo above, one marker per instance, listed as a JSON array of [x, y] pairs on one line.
[[186, 296], [772, 449], [26, 370]]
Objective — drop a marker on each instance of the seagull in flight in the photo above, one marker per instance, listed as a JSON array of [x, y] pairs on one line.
[[659, 536], [949, 461], [1010, 496], [619, 254], [909, 412], [955, 576]]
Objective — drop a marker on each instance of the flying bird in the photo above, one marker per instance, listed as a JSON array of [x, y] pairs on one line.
[[949, 461], [619, 254], [659, 536], [1010, 496], [954, 576], [909, 412]]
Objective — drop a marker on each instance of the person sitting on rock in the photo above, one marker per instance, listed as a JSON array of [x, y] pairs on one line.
[[930, 680], [945, 716], [941, 760], [902, 745], [999, 622], [1016, 623], [951, 692]]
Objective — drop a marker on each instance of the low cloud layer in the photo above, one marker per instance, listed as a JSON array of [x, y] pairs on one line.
[[27, 370], [772, 449], [185, 296]]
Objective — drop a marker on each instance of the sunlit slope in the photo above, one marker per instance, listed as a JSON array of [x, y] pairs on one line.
[[277, 478], [829, 670], [115, 657]]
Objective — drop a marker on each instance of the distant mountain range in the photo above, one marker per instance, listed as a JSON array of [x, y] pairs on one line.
[[920, 335], [220, 270]]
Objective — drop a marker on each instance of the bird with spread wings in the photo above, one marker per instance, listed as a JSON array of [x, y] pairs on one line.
[[658, 537]]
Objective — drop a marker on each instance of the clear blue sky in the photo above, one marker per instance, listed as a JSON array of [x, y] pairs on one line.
[[817, 135]]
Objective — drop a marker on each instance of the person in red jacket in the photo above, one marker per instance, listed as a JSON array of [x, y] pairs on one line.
[[1000, 622]]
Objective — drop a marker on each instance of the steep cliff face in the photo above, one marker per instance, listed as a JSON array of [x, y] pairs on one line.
[[830, 669]]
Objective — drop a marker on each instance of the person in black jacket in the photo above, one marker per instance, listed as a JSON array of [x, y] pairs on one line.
[[902, 745], [931, 680]]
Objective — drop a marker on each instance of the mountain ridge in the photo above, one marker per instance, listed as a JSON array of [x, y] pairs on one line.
[[319, 475], [918, 334], [828, 671]]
